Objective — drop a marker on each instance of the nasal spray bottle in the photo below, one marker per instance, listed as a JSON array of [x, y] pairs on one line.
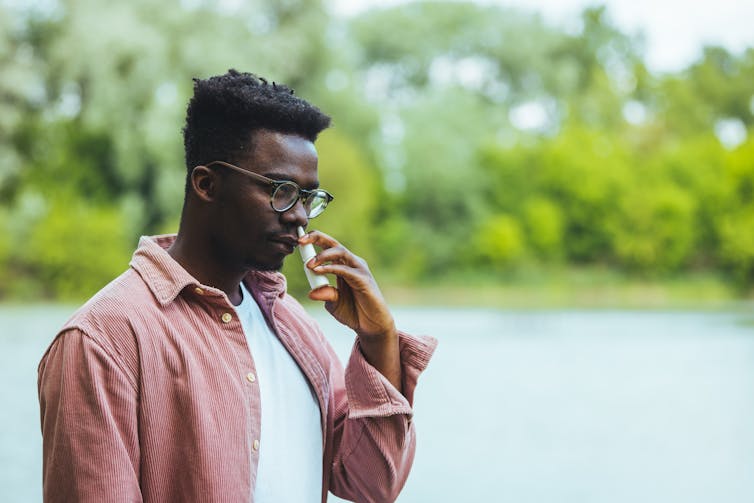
[[307, 253]]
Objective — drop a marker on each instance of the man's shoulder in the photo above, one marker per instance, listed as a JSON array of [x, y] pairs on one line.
[[105, 319], [109, 312]]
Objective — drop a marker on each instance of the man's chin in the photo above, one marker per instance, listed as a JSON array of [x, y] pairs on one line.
[[266, 266]]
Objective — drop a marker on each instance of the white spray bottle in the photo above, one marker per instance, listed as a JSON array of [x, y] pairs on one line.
[[307, 253]]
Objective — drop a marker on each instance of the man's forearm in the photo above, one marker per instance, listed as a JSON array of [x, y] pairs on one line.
[[383, 353]]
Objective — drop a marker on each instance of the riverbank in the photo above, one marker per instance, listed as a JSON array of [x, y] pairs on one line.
[[573, 288], [550, 289]]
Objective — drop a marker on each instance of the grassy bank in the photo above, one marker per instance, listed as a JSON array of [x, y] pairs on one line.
[[598, 289], [553, 289]]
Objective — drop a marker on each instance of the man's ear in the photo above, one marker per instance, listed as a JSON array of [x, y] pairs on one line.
[[204, 183]]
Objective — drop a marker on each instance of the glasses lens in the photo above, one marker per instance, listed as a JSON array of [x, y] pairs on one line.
[[316, 203], [285, 196]]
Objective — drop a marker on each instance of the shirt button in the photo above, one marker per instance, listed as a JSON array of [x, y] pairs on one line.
[[256, 445], [251, 377], [198, 291], [226, 317]]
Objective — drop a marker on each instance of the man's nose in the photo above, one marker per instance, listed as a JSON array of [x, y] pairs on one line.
[[296, 214]]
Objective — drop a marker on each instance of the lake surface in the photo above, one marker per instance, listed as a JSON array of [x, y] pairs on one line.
[[540, 406]]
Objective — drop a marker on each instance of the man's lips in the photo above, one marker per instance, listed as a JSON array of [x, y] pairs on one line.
[[288, 240]]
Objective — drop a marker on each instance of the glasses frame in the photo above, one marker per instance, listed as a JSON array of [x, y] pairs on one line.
[[303, 194]]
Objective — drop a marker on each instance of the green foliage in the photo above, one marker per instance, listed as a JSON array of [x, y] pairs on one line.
[[545, 228], [579, 172], [735, 224], [584, 172], [75, 249], [499, 241], [92, 100], [441, 181], [346, 172], [737, 244], [402, 249], [655, 228], [436, 163], [723, 82], [591, 197], [5, 252]]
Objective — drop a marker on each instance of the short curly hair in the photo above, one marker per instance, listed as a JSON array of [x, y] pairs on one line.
[[226, 109]]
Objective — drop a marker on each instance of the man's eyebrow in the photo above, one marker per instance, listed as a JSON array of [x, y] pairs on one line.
[[275, 175]]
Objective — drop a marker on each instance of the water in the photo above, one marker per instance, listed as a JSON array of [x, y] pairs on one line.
[[571, 406]]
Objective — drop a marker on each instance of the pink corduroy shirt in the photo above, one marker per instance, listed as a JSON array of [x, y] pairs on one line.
[[148, 393]]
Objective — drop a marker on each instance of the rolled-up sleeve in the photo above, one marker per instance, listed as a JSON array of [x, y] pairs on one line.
[[88, 405], [377, 444]]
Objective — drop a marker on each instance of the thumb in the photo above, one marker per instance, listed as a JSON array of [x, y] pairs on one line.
[[327, 293]]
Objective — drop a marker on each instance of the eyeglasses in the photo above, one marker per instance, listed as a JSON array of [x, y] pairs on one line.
[[286, 193]]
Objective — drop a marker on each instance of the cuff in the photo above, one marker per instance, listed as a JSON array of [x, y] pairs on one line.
[[370, 394]]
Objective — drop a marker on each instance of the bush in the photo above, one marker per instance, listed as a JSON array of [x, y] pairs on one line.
[[76, 249], [544, 228], [735, 223], [499, 241], [655, 229]]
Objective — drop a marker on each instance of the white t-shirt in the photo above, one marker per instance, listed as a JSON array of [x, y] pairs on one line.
[[290, 444]]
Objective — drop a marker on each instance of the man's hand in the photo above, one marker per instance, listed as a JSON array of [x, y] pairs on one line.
[[357, 303]]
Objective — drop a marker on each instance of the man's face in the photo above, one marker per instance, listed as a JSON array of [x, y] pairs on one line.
[[249, 233]]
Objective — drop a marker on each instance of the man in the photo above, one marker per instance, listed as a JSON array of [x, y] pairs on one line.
[[194, 376]]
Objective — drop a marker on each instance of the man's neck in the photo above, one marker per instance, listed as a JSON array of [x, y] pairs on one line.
[[199, 261]]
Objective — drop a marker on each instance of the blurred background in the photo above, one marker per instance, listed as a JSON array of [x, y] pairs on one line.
[[561, 192]]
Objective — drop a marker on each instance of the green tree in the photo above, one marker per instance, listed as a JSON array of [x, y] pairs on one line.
[[655, 229], [499, 242], [736, 222], [545, 228], [92, 100]]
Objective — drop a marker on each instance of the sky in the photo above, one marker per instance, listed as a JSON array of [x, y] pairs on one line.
[[674, 30]]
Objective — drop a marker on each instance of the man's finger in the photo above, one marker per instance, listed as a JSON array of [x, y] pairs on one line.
[[320, 239], [337, 255], [326, 293], [354, 277]]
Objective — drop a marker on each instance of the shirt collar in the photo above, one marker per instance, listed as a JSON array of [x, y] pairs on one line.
[[166, 278]]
